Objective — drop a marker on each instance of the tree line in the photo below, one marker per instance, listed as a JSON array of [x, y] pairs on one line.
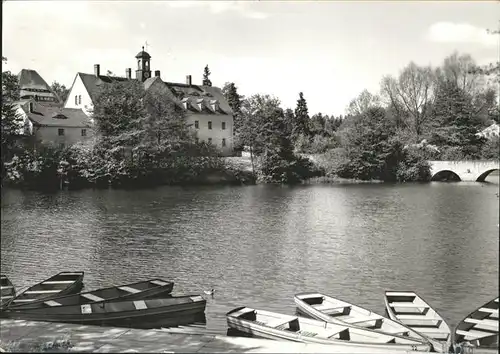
[[143, 137], [421, 114]]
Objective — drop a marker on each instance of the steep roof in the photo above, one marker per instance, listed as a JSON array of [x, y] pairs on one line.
[[31, 84], [92, 82], [176, 91], [43, 115]]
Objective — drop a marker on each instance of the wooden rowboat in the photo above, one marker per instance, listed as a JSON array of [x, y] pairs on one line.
[[57, 285], [7, 291], [345, 338], [480, 328], [411, 310], [136, 291], [326, 308], [145, 314]]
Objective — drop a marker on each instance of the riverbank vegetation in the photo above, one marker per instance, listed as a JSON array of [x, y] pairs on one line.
[[143, 138]]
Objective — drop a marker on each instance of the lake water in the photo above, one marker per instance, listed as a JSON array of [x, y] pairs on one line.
[[259, 245]]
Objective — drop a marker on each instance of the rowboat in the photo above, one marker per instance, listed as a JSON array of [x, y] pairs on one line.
[[7, 291], [60, 284], [412, 311], [326, 308], [145, 313], [345, 338], [480, 327], [135, 291]]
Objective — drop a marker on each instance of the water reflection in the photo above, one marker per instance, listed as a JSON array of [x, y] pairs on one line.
[[259, 245]]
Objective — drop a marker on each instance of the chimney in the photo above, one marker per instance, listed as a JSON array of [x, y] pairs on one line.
[[188, 80], [97, 70], [128, 73], [157, 73]]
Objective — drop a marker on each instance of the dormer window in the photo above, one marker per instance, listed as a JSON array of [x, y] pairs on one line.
[[59, 116], [214, 104], [185, 102], [199, 102]]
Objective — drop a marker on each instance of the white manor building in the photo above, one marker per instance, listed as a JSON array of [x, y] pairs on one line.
[[207, 110]]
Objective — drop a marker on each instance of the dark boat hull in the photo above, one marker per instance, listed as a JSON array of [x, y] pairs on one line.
[[112, 294], [155, 316], [74, 287]]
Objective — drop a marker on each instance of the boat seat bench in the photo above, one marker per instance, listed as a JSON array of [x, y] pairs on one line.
[[494, 312], [278, 322], [330, 309], [360, 319], [406, 304], [417, 317], [485, 322], [432, 331], [92, 297], [473, 334]]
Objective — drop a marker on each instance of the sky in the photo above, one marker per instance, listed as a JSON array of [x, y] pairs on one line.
[[329, 50]]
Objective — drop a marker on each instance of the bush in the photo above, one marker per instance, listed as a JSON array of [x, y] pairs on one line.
[[491, 149], [276, 169]]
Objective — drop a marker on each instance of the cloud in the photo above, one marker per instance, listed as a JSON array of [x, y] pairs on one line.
[[449, 32], [218, 7]]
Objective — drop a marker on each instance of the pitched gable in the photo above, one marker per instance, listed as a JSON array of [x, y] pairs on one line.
[[32, 85]]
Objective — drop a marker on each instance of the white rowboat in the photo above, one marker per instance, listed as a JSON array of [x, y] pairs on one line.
[[349, 339], [326, 308], [412, 311]]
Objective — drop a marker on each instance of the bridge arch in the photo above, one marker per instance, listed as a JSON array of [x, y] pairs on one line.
[[485, 174], [445, 175], [466, 170]]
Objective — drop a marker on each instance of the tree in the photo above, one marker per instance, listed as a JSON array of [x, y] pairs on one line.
[[317, 124], [460, 70], [230, 92], [410, 96], [301, 122], [11, 121], [456, 123], [163, 128], [289, 119], [118, 106], [263, 126], [362, 103], [206, 73], [60, 90], [366, 138]]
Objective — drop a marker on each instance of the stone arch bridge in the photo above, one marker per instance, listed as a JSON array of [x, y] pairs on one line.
[[466, 170]]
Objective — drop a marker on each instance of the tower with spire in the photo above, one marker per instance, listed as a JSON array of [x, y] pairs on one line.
[[143, 71]]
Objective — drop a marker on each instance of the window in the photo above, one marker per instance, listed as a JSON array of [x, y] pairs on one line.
[[209, 125], [197, 124], [223, 125], [60, 131], [79, 99], [84, 132], [210, 140], [223, 142], [197, 140], [76, 99], [61, 146]]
